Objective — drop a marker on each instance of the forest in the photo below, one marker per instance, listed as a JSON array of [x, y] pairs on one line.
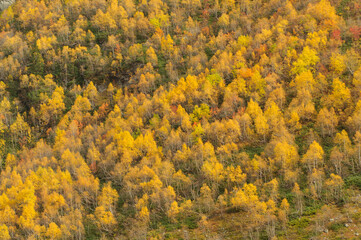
[[180, 119]]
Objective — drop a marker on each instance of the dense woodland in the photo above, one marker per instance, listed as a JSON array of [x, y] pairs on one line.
[[180, 119]]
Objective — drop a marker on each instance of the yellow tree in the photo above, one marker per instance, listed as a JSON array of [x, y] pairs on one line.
[[20, 130], [4, 232], [327, 121], [273, 115], [5, 112], [53, 231], [283, 212], [151, 56], [257, 83], [315, 180], [104, 213], [223, 21], [334, 184], [337, 63], [341, 153], [104, 21], [341, 95], [306, 61], [173, 211], [235, 175], [205, 200], [104, 219], [338, 160], [254, 210], [261, 126], [213, 170], [285, 156], [28, 215], [293, 121], [53, 108], [191, 6], [304, 80], [325, 13], [91, 93], [354, 121], [108, 198], [303, 104], [313, 157]]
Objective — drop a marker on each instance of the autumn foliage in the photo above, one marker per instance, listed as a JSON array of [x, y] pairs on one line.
[[180, 119]]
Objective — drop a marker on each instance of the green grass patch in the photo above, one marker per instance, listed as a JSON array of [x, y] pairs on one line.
[[354, 181], [336, 226], [91, 230], [253, 150], [300, 223], [191, 222]]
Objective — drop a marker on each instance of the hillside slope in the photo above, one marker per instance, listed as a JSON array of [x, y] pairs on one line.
[[202, 119]]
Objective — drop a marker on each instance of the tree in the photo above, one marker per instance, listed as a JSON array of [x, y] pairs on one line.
[[293, 121], [151, 56], [129, 6], [81, 105], [338, 159], [334, 184], [45, 43], [337, 63], [28, 215], [285, 156], [327, 121], [253, 109], [273, 115], [317, 40], [255, 211], [223, 21], [213, 170], [20, 130], [303, 104], [191, 6], [167, 45], [104, 219], [205, 200], [5, 107], [261, 126], [135, 52], [4, 232], [54, 107], [340, 155], [37, 63], [53, 231], [257, 84], [108, 198], [306, 61], [173, 211], [315, 180], [340, 96], [313, 157], [91, 93], [235, 175], [324, 12], [357, 78], [104, 21], [283, 212], [304, 80], [245, 122]]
